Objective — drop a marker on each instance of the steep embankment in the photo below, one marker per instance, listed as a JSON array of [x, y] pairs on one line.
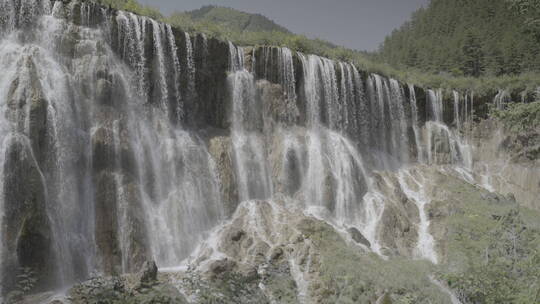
[[251, 175]]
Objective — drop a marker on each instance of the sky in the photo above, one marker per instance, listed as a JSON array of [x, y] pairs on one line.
[[357, 24]]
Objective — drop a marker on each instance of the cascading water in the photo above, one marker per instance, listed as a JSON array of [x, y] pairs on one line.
[[397, 115], [96, 120], [501, 99], [416, 129], [443, 145], [436, 105], [413, 188], [117, 186], [457, 117], [248, 143]]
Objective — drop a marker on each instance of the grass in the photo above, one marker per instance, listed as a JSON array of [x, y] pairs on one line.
[[349, 276]]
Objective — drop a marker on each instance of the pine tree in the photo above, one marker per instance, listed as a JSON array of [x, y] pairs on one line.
[[473, 56]]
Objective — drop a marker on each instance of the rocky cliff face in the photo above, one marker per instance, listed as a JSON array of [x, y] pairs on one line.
[[124, 140]]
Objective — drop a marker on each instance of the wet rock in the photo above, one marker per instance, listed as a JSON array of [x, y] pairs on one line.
[[491, 197], [104, 92], [148, 274], [398, 232], [237, 236], [221, 150], [103, 149], [358, 237], [276, 254], [27, 230], [282, 110], [220, 267], [106, 221], [510, 198]]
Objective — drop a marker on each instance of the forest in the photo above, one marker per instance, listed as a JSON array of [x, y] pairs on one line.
[[468, 38]]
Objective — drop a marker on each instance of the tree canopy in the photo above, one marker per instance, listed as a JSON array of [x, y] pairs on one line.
[[469, 38]]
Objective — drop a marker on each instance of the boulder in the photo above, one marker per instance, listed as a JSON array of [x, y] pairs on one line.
[[148, 274], [358, 237]]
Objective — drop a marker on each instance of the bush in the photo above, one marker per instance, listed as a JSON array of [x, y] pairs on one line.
[[519, 117]]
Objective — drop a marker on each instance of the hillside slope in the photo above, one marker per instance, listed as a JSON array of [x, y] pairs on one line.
[[232, 19], [467, 37]]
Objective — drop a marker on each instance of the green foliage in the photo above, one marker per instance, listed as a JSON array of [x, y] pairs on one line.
[[468, 38], [134, 7], [509, 271], [530, 9], [519, 117], [349, 276], [492, 245], [26, 281], [231, 19], [113, 290]]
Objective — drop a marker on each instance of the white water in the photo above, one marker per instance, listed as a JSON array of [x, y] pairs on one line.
[[416, 130], [166, 182], [436, 105], [501, 99], [175, 182], [412, 186], [249, 146], [457, 118]]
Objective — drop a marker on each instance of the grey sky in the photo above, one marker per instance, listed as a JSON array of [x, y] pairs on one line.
[[359, 24]]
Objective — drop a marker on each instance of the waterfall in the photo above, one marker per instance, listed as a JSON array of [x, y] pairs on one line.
[[397, 115], [501, 99], [190, 67], [469, 107], [248, 144], [413, 188], [98, 144], [436, 105], [416, 130], [287, 79], [179, 111], [335, 178], [236, 58], [381, 124], [457, 118], [107, 118]]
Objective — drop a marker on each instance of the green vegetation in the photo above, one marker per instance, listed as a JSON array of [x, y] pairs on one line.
[[530, 9], [509, 269], [520, 117], [26, 281], [133, 6], [492, 245], [346, 275], [250, 30], [115, 290], [222, 20], [468, 38]]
